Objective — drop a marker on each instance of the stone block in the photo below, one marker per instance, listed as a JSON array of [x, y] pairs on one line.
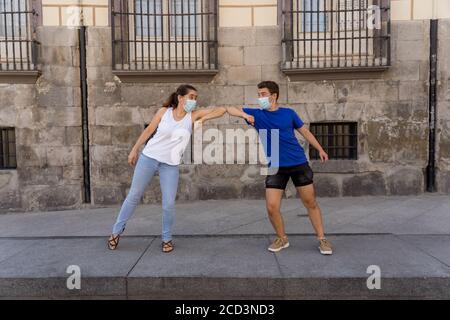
[[371, 183], [262, 55]]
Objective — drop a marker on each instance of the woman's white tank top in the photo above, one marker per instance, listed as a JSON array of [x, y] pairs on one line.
[[170, 140]]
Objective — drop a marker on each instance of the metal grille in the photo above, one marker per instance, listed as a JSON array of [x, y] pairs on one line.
[[7, 148], [338, 139], [327, 34], [17, 35], [160, 35]]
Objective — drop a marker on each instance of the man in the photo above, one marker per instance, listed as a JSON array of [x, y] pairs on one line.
[[291, 163]]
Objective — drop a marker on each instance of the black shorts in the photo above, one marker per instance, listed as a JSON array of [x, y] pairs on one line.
[[301, 175]]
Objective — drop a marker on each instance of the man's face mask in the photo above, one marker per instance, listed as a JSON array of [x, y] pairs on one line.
[[264, 103], [190, 105]]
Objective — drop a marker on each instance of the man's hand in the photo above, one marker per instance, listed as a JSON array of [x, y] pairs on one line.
[[249, 118], [323, 156]]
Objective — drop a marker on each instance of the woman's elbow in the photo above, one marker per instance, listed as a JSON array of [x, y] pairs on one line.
[[222, 110]]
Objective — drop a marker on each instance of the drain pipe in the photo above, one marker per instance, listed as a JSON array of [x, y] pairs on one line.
[[431, 170], [84, 114]]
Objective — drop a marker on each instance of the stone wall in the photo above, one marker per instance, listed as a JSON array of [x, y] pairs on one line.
[[47, 121], [443, 110], [391, 113]]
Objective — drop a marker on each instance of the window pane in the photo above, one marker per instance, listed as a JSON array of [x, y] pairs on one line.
[[7, 20], [183, 25], [145, 24], [315, 19]]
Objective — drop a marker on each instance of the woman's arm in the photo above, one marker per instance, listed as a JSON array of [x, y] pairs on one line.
[[238, 112], [208, 113], [132, 157], [313, 141]]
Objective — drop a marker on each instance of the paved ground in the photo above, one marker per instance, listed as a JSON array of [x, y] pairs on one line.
[[221, 251]]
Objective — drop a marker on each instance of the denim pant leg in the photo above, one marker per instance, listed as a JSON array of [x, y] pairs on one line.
[[143, 173], [168, 176]]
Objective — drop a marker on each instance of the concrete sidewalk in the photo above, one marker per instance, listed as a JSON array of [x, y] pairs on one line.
[[221, 251]]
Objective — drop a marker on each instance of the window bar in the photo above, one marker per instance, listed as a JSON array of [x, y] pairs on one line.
[[6, 36], [128, 41], [175, 9], [332, 35], [367, 36], [388, 31], [122, 37], [20, 36], [300, 13], [182, 33], [375, 40], [189, 38], [359, 31], [325, 27], [161, 22], [195, 35], [345, 32], [142, 32], [13, 42], [216, 27], [353, 31], [339, 31], [169, 28], [1, 65], [383, 35], [113, 32], [318, 34], [310, 35], [189, 34], [202, 37], [149, 35], [380, 40], [33, 42], [208, 33], [133, 14]]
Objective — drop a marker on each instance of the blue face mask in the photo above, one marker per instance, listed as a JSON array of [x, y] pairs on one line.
[[264, 103], [190, 105]]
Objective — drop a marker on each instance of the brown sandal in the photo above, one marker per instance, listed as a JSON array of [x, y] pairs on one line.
[[167, 246], [113, 242]]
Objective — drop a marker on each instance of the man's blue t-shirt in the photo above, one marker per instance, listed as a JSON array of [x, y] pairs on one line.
[[285, 120]]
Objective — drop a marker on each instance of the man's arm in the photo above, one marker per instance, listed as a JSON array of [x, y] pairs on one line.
[[313, 141], [238, 112]]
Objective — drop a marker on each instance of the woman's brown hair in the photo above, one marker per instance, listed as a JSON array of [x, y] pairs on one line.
[[172, 101]]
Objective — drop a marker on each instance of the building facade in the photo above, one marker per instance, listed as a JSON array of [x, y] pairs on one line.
[[369, 77]]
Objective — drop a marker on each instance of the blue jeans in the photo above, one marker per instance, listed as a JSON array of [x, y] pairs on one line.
[[146, 168]]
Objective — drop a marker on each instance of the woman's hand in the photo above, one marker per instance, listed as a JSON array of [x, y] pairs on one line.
[[323, 156], [132, 157]]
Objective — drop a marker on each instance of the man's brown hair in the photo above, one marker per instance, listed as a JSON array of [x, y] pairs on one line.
[[272, 86]]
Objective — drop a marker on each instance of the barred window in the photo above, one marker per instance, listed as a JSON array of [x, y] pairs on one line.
[[17, 35], [164, 35], [321, 35], [7, 148], [338, 139]]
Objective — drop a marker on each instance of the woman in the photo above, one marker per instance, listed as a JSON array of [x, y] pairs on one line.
[[162, 153]]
